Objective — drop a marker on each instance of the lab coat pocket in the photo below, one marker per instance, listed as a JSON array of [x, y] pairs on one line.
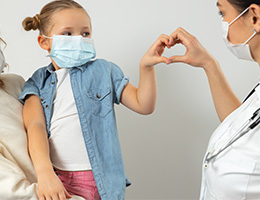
[[100, 101], [229, 174]]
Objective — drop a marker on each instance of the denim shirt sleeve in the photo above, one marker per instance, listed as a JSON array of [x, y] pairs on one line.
[[119, 82], [30, 88]]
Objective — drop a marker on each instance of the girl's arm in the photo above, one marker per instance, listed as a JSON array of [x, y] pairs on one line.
[[49, 185], [143, 99], [224, 98]]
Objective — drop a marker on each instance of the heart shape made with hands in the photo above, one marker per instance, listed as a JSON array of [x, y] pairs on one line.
[[176, 49]]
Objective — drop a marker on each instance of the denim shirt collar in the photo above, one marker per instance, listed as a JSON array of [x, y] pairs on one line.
[[51, 69]]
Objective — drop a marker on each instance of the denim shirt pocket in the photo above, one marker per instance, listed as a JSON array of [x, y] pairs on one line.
[[100, 101]]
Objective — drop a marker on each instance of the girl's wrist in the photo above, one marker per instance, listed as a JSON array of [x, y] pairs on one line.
[[146, 67], [43, 169]]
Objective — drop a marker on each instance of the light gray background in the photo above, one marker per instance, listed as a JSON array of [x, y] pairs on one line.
[[162, 152]]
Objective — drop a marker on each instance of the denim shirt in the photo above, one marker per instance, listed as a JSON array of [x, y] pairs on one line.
[[96, 86]]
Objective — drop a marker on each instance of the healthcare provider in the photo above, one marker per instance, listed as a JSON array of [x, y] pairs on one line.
[[231, 167]]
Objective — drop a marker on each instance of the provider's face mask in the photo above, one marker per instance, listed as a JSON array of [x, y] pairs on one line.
[[71, 51], [241, 51]]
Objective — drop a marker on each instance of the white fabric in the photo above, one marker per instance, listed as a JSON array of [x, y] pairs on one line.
[[235, 173], [17, 176], [67, 147]]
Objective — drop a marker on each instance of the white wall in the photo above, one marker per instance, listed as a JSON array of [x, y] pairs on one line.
[[162, 152]]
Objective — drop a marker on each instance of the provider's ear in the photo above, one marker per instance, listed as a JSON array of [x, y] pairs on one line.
[[44, 42], [255, 10]]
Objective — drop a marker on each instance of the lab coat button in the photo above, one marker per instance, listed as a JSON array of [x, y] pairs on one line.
[[206, 165]]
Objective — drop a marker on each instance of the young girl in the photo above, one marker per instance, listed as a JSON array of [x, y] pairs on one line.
[[69, 107]]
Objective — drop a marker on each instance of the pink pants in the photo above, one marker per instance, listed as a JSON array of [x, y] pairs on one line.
[[81, 183]]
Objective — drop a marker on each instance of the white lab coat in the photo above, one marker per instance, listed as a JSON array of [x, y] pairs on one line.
[[235, 173]]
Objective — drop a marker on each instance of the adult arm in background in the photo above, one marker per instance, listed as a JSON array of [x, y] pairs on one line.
[[224, 98]]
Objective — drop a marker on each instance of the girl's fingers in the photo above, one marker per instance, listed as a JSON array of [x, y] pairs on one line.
[[42, 197], [62, 196], [56, 197], [162, 60], [67, 194], [48, 198]]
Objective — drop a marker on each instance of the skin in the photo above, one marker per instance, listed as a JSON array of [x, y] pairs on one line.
[[141, 100], [224, 98]]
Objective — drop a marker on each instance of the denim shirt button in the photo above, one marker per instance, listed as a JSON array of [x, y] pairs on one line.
[[52, 82], [47, 106], [42, 99], [98, 96]]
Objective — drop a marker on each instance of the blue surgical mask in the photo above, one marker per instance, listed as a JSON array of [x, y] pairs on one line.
[[71, 51]]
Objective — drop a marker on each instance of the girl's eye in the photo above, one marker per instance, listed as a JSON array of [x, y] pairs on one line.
[[67, 34], [220, 13], [85, 34]]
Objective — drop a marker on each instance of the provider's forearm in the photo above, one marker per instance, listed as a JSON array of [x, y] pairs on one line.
[[224, 98]]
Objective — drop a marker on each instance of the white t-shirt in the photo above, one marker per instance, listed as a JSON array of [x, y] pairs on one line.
[[67, 148], [235, 173]]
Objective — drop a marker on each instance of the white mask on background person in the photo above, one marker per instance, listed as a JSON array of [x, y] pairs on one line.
[[2, 61], [241, 51], [71, 51]]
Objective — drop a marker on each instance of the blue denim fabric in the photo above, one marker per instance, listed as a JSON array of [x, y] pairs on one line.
[[96, 86]]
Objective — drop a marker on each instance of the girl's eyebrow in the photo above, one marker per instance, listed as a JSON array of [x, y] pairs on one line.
[[218, 4], [69, 27]]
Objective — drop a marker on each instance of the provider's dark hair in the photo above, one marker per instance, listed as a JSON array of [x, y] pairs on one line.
[[241, 5]]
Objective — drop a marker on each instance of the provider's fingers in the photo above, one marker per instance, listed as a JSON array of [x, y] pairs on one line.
[[175, 59], [180, 36], [163, 40]]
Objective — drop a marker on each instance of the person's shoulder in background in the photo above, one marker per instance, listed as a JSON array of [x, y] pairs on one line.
[[13, 84]]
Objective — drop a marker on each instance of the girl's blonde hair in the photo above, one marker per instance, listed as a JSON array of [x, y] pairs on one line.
[[42, 21], [1, 82]]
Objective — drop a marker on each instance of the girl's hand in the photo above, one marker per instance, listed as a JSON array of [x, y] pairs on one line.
[[196, 55], [50, 187], [154, 54]]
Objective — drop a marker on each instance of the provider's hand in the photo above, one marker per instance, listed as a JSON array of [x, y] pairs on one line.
[[154, 54], [196, 55], [51, 188]]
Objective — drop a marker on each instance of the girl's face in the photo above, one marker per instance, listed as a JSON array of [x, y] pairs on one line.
[[70, 22], [241, 29]]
